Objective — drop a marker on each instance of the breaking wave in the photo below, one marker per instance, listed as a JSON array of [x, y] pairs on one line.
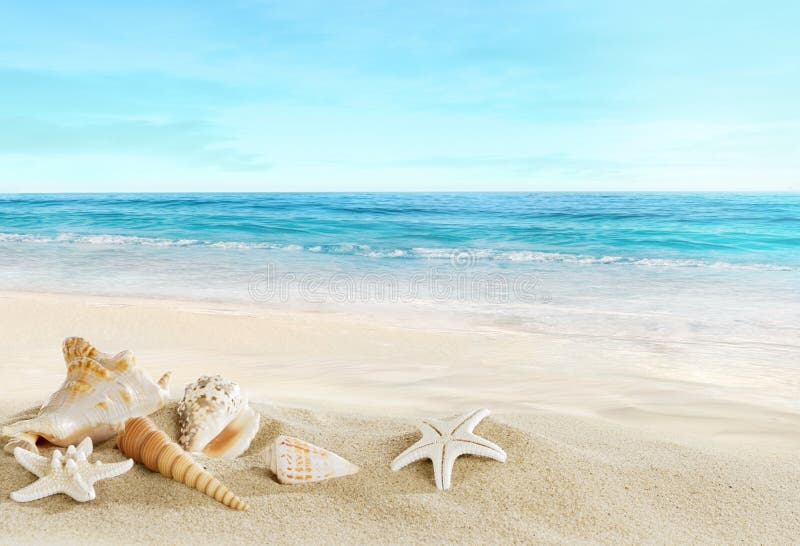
[[471, 256]]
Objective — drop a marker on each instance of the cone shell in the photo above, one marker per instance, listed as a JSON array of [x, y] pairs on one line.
[[215, 418], [296, 461], [99, 393], [145, 443]]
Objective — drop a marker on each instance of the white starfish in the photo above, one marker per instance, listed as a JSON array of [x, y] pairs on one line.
[[444, 441], [71, 474]]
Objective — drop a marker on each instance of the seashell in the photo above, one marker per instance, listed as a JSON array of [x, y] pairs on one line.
[[145, 443], [295, 461], [215, 418], [100, 392]]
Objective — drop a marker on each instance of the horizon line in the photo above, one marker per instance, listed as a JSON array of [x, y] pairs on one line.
[[775, 191]]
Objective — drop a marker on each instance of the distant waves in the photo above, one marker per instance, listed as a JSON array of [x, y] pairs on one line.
[[466, 255]]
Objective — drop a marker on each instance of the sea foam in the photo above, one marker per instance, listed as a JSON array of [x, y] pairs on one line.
[[468, 256]]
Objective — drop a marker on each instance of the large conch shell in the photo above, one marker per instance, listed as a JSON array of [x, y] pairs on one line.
[[215, 418], [100, 392], [296, 461], [145, 443]]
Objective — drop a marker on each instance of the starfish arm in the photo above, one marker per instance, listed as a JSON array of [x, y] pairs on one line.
[[432, 429], [479, 446], [86, 447], [102, 471], [43, 487], [436, 427], [32, 462], [443, 466], [469, 421], [79, 489], [418, 451]]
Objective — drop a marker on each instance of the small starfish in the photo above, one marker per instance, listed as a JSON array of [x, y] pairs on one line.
[[71, 474], [444, 441]]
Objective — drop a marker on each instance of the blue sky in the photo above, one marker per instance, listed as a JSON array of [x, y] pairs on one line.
[[302, 95]]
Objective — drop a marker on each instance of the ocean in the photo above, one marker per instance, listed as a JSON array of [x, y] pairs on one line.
[[657, 265]]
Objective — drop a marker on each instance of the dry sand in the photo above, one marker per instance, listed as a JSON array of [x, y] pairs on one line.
[[566, 480], [611, 457]]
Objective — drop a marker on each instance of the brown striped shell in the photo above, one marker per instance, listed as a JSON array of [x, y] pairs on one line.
[[145, 443]]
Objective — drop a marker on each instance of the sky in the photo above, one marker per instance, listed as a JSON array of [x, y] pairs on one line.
[[371, 95]]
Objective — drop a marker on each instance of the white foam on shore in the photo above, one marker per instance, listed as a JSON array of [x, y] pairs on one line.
[[468, 256]]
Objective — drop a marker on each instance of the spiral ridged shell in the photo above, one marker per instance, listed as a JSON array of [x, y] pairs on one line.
[[145, 443]]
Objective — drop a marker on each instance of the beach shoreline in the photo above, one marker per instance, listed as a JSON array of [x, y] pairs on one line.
[[610, 456], [379, 365], [614, 450]]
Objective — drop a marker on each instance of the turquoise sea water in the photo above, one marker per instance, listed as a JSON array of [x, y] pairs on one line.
[[648, 229], [655, 264]]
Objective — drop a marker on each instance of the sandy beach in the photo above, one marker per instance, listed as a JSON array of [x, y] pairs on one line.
[[612, 457], [465, 273]]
